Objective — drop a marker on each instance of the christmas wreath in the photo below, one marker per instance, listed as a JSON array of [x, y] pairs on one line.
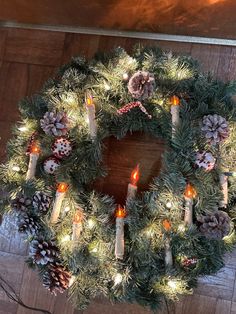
[[159, 242]]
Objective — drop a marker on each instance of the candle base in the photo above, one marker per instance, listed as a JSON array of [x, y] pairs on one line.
[[224, 188], [120, 243], [132, 191], [188, 216], [168, 254]]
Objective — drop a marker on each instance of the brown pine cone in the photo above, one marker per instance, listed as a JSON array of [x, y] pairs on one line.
[[43, 252]]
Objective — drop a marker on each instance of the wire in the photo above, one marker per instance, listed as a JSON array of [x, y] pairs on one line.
[[11, 294]]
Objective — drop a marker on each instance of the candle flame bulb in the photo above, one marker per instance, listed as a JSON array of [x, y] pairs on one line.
[[120, 212], [35, 149], [166, 224], [190, 191], [62, 187], [135, 175], [88, 99], [175, 100]]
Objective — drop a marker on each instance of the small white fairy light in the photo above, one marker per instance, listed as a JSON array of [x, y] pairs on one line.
[[106, 86], [172, 284], [23, 128], [168, 205], [66, 238], [16, 168], [125, 76], [91, 223], [67, 209], [118, 279]]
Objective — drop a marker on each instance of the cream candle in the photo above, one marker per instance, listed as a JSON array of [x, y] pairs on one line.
[[91, 114], [77, 225], [189, 194], [60, 194], [34, 155], [175, 112], [132, 187], [120, 242]]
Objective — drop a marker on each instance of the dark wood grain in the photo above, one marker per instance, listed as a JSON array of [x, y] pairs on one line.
[[122, 156], [210, 18]]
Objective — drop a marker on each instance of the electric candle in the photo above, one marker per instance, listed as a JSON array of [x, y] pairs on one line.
[[60, 194], [168, 252], [34, 155], [174, 112], [189, 194], [91, 114], [77, 225], [132, 187], [120, 243]]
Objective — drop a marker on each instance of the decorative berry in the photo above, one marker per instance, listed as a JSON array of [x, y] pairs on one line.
[[186, 262], [61, 147], [132, 105], [51, 164]]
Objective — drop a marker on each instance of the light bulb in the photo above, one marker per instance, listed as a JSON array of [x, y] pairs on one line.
[[181, 228], [16, 168], [118, 279], [172, 284], [72, 280], [67, 209], [91, 223], [66, 238], [125, 76], [23, 128], [168, 205], [106, 86]]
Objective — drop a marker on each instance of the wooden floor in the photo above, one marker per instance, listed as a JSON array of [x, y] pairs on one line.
[[27, 59]]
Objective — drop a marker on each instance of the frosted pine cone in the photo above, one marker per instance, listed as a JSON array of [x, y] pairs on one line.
[[215, 226], [141, 85], [54, 123], [27, 224], [21, 203], [215, 128], [56, 278], [205, 160], [43, 252], [41, 202]]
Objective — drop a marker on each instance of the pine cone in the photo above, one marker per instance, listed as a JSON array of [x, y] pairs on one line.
[[56, 278], [54, 123], [21, 203], [42, 252], [27, 224], [215, 128], [41, 202], [141, 85], [214, 226], [205, 160]]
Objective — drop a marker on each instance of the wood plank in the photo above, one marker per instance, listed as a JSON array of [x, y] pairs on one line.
[[13, 87], [196, 304], [224, 63], [34, 294], [37, 77], [34, 47], [3, 34], [223, 306]]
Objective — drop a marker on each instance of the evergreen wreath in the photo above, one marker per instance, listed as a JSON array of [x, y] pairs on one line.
[[164, 255]]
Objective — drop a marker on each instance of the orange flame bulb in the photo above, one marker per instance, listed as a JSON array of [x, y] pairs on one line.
[[35, 149], [175, 101], [88, 99], [62, 187], [166, 224], [135, 175], [78, 217], [120, 212], [190, 191]]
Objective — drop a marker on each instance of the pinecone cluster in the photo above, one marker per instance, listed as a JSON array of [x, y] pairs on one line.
[[214, 226], [215, 128], [56, 278], [54, 123], [21, 203], [141, 85], [41, 202], [27, 224], [43, 252]]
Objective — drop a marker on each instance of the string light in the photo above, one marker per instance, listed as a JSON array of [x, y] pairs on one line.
[[91, 223], [67, 209], [22, 128], [107, 87], [125, 76], [16, 168], [66, 238], [118, 279], [168, 205], [181, 228], [172, 284]]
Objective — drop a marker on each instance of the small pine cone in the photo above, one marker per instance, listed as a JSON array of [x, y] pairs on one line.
[[27, 224], [54, 123], [42, 252], [214, 226], [205, 160], [141, 85], [215, 128], [41, 202], [21, 203], [56, 278]]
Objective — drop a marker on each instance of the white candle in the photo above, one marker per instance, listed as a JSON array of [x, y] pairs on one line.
[[224, 188], [132, 187], [174, 112], [77, 226], [189, 194], [60, 194], [120, 242], [34, 155], [91, 115], [168, 254]]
